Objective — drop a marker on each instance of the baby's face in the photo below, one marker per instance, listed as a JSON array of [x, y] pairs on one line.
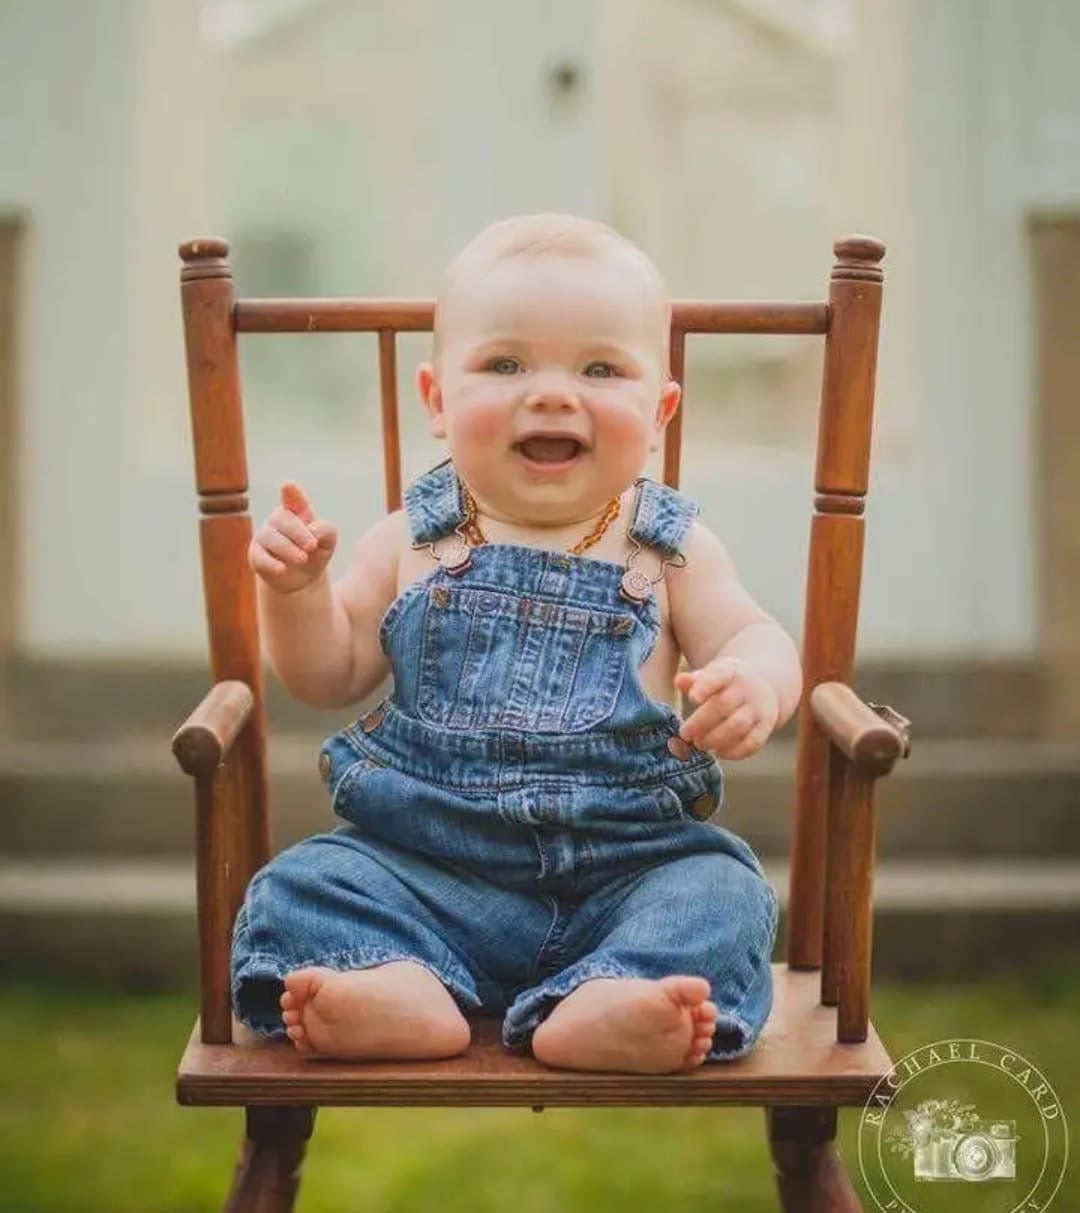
[[549, 387]]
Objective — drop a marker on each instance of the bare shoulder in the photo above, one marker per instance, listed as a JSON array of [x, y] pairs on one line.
[[708, 570], [707, 602], [704, 552]]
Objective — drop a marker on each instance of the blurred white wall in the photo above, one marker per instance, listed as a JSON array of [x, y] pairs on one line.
[[347, 148]]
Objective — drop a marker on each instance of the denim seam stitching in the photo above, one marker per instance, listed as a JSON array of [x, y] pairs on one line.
[[468, 724], [604, 695], [734, 1012], [393, 613], [491, 791], [554, 904], [348, 775]]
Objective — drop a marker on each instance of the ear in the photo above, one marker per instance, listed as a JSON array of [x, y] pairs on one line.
[[431, 394], [670, 396]]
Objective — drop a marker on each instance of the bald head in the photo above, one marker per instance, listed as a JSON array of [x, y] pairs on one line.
[[550, 235]]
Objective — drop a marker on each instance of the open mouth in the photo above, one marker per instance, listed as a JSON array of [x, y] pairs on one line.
[[553, 451]]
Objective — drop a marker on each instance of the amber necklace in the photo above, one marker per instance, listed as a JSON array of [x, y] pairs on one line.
[[458, 557], [611, 512]]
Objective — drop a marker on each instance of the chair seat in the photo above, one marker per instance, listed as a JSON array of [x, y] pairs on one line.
[[796, 1060]]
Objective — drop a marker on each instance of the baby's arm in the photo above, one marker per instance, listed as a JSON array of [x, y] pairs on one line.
[[321, 638], [744, 668]]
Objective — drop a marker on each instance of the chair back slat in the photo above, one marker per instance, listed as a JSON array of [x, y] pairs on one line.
[[334, 315], [792, 319], [388, 397], [417, 316]]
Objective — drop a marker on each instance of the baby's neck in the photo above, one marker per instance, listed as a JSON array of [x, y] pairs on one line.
[[561, 535], [538, 526]]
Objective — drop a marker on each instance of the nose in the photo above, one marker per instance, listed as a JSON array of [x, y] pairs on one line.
[[553, 393]]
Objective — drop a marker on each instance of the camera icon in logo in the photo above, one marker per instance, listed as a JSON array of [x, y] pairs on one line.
[[979, 1151]]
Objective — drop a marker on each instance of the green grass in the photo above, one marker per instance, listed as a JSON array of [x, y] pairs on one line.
[[88, 1123]]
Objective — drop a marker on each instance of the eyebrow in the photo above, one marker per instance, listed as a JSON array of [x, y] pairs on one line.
[[601, 348]]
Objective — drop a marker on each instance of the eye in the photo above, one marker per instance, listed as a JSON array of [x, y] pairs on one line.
[[600, 370], [503, 365]]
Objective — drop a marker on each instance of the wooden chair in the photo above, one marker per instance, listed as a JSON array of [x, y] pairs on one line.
[[818, 1051]]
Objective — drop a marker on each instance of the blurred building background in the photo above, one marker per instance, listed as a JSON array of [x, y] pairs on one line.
[[350, 147]]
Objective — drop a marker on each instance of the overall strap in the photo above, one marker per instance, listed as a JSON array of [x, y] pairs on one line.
[[662, 516], [433, 503]]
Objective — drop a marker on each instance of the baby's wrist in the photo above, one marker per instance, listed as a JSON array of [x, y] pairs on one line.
[[316, 587], [318, 584]]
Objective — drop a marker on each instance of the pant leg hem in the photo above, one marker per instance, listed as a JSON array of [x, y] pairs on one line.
[[728, 1022], [530, 1009], [261, 966]]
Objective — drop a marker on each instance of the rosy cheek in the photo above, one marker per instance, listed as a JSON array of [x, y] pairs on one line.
[[623, 427], [482, 425]]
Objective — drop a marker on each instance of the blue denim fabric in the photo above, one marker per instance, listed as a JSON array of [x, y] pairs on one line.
[[516, 820]]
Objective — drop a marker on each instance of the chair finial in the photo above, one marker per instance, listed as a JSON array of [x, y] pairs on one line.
[[858, 257], [203, 248], [204, 257]]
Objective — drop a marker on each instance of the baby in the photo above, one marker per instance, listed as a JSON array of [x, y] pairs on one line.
[[526, 812]]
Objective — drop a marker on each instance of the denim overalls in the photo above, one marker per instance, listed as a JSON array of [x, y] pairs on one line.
[[522, 816]]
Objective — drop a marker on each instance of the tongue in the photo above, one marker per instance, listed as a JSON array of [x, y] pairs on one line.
[[550, 450]]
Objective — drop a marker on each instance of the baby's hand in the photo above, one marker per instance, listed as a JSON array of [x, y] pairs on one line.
[[293, 546], [738, 708]]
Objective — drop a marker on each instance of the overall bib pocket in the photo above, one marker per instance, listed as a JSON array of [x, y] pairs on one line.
[[496, 660]]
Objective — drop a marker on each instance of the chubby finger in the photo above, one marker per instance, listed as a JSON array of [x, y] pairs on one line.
[[324, 533], [263, 563], [701, 721], [750, 744], [720, 705], [293, 527], [711, 714], [296, 501], [731, 732], [281, 546], [700, 684]]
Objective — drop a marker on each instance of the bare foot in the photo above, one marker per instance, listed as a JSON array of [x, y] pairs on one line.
[[398, 1010], [629, 1024]]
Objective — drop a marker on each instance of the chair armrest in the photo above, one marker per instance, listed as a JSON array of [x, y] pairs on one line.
[[872, 737], [203, 741]]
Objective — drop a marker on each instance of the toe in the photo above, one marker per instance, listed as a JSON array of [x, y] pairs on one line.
[[687, 991], [287, 1001], [303, 984], [297, 1035], [290, 1018]]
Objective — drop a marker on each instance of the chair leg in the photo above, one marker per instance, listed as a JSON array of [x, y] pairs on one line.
[[809, 1174], [268, 1174]]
